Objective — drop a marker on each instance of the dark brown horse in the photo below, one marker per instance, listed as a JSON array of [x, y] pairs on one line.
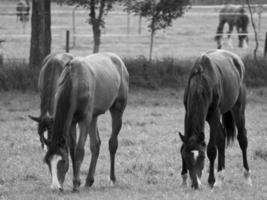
[[234, 16], [51, 69], [215, 90], [88, 87], [23, 10]]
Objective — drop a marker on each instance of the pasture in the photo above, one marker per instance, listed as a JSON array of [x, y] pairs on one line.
[[148, 162], [189, 35]]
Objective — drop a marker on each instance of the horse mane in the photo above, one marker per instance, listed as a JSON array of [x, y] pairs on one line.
[[47, 81], [62, 107], [198, 93]]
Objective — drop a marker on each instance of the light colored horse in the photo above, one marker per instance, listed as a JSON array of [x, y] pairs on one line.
[[88, 87], [52, 67]]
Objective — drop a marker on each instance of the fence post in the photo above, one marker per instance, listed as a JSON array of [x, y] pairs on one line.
[[67, 41], [265, 45]]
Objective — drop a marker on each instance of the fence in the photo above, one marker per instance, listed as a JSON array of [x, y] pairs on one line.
[[124, 34]]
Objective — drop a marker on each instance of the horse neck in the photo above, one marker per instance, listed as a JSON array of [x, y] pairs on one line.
[[196, 112], [62, 119]]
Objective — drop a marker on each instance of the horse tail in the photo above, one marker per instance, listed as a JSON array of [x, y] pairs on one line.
[[229, 125]]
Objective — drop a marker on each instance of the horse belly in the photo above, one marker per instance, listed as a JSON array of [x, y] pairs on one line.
[[105, 94], [230, 93]]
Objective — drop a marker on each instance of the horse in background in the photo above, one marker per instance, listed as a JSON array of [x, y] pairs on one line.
[[234, 16], [215, 90], [88, 87], [23, 10], [52, 67]]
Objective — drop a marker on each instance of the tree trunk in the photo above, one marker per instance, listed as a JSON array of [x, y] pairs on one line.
[[97, 36], [151, 44], [41, 32]]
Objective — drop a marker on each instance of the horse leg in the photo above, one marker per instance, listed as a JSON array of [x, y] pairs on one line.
[[239, 116], [230, 43], [220, 141], [184, 171], [116, 112], [213, 120], [79, 153], [219, 33], [72, 145], [94, 147]]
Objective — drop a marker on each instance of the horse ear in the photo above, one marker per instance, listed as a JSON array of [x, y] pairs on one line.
[[36, 119], [182, 137]]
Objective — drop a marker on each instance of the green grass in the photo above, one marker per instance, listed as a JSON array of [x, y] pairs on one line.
[[148, 162]]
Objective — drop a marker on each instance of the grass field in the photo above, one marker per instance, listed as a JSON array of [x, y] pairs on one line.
[[148, 162], [189, 36]]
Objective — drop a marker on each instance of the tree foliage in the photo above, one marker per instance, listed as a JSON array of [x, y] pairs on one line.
[[160, 13], [98, 9]]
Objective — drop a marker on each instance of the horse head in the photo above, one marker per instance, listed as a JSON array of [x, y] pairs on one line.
[[193, 154], [44, 124], [58, 163]]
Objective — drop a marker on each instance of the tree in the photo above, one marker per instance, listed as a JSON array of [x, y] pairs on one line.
[[98, 9], [254, 29], [41, 32], [159, 13]]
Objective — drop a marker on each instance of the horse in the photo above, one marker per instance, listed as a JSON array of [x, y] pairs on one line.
[[88, 87], [52, 66], [215, 90], [234, 16], [23, 10]]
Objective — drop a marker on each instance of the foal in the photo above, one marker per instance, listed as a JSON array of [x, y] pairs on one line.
[[215, 90], [88, 87]]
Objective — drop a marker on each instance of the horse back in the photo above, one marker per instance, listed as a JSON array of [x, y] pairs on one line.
[[226, 71], [103, 78]]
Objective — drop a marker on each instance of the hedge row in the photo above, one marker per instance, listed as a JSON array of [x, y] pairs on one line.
[[162, 73]]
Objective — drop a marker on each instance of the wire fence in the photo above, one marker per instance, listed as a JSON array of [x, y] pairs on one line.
[[125, 34]]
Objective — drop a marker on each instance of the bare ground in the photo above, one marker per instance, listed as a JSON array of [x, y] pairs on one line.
[[148, 162]]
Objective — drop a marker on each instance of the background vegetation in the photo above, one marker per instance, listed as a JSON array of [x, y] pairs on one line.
[[160, 73]]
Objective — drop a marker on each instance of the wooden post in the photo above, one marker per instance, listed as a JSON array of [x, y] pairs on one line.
[[265, 45], [67, 41]]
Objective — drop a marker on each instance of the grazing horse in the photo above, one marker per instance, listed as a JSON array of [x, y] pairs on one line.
[[88, 87], [52, 67], [215, 89], [234, 16], [23, 10]]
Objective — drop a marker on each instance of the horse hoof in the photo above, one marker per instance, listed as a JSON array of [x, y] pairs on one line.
[[76, 183], [89, 182], [183, 184], [75, 189], [112, 183], [217, 184], [247, 177]]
